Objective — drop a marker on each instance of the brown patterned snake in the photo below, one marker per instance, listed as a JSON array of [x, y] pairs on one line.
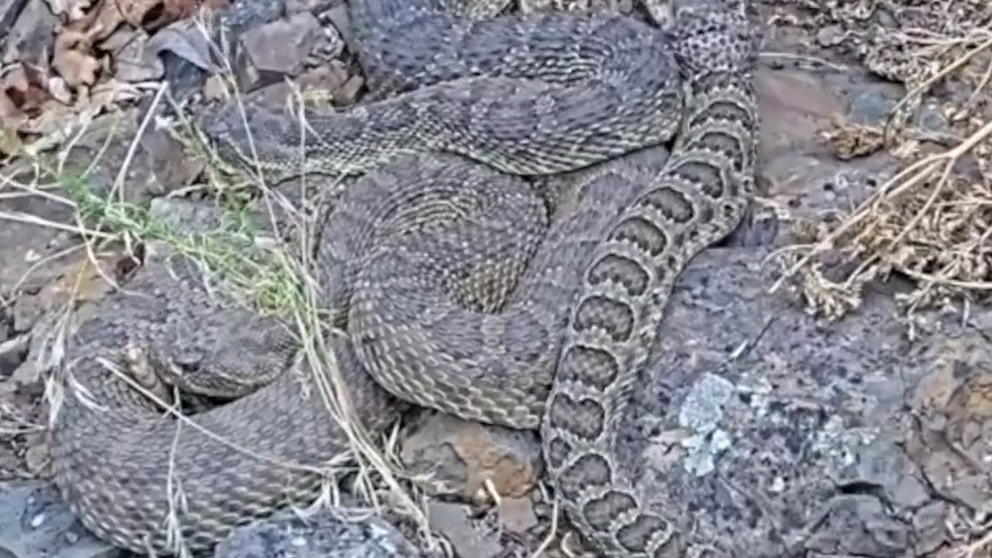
[[537, 95]]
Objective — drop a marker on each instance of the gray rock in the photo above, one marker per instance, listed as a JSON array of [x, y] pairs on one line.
[[157, 166], [454, 522], [771, 433], [245, 15], [35, 523], [873, 106], [325, 535], [25, 30], [24, 244], [189, 57], [276, 50]]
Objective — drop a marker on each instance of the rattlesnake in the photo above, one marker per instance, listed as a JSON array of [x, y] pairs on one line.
[[602, 276]]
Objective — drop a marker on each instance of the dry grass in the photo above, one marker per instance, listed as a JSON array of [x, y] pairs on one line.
[[930, 222]]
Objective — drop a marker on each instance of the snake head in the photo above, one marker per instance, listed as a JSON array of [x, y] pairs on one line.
[[227, 359], [715, 36]]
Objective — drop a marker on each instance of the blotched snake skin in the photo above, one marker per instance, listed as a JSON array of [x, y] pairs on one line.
[[459, 294]]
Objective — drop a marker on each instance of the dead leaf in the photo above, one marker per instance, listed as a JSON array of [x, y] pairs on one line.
[[72, 58], [10, 143], [25, 87], [74, 9], [23, 93], [58, 122], [149, 15]]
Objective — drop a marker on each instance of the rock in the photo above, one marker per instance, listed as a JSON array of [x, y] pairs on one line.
[[510, 529], [11, 464], [312, 6], [453, 521], [338, 18], [600, 6], [325, 535], [332, 44], [829, 36], [184, 52], [874, 105], [241, 16], [331, 81], [798, 107], [802, 181], [157, 167], [76, 286], [770, 430], [26, 30], [190, 57], [133, 60], [466, 456], [34, 523], [816, 187], [517, 514], [23, 244], [27, 311], [278, 49], [36, 456]]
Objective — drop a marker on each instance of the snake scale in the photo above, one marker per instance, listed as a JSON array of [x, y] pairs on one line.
[[462, 293]]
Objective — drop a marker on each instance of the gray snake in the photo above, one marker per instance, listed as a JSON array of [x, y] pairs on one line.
[[522, 96]]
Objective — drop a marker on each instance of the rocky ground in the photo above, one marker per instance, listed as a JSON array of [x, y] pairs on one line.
[[841, 416]]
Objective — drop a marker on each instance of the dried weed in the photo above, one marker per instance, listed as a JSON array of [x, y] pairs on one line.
[[930, 222]]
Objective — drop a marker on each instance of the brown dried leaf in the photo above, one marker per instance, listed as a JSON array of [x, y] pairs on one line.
[[72, 57], [10, 143], [149, 15], [23, 92], [58, 122], [26, 87], [73, 9]]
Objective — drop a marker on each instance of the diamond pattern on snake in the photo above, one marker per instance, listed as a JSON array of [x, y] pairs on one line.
[[462, 292]]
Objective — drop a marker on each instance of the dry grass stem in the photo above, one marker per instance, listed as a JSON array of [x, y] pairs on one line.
[[930, 222]]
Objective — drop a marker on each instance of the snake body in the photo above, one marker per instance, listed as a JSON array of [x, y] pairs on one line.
[[700, 196], [534, 95], [426, 252]]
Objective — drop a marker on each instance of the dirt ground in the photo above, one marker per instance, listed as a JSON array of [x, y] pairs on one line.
[[874, 165]]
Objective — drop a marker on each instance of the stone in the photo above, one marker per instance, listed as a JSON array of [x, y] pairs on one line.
[[470, 460], [326, 534], [35, 522], [278, 49]]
